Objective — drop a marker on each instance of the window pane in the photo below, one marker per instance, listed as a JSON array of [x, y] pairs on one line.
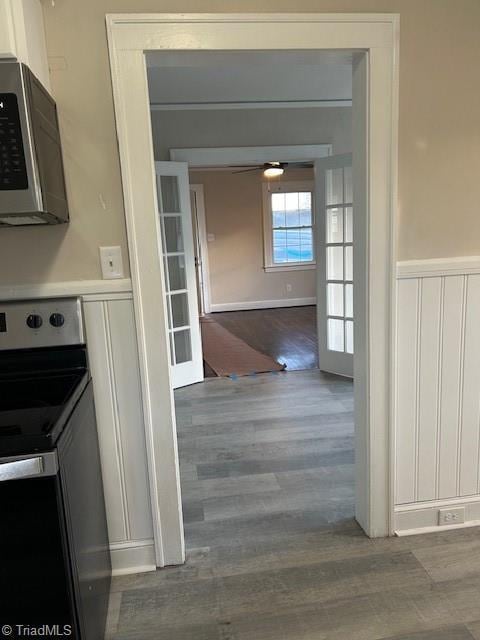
[[291, 201], [335, 299], [173, 233], [348, 224], [305, 207], [183, 349], [278, 219], [278, 202], [306, 245], [293, 253], [293, 242], [279, 238], [176, 273], [348, 263], [170, 199], [349, 336], [334, 186], [334, 263], [349, 300], [334, 225], [179, 303], [279, 254], [348, 186], [293, 236], [292, 218], [335, 337]]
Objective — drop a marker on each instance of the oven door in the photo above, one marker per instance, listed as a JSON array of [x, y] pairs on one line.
[[35, 582]]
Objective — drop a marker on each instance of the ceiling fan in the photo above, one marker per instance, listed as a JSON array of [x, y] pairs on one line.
[[272, 169]]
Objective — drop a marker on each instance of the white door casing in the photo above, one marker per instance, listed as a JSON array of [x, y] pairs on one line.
[[334, 249], [180, 286], [375, 152], [201, 249]]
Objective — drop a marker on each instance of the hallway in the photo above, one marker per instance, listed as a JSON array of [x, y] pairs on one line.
[[273, 551]]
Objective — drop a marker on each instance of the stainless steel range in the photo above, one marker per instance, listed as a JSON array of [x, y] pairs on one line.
[[54, 553]]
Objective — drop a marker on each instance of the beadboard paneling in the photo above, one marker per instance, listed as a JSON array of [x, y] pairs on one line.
[[438, 388], [114, 365]]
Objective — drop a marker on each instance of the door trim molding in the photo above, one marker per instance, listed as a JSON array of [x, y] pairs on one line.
[[376, 36], [202, 236]]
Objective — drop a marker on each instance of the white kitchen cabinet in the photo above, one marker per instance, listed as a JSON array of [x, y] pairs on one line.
[[22, 35]]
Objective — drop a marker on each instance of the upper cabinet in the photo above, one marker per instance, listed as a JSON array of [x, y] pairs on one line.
[[22, 36]]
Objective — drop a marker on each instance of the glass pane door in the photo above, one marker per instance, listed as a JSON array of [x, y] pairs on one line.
[[339, 258], [334, 246], [178, 260], [174, 264]]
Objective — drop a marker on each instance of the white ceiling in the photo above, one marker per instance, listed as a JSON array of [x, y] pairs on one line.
[[233, 77]]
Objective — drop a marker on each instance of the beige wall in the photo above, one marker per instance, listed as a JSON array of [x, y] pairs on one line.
[[439, 164], [233, 205], [251, 127]]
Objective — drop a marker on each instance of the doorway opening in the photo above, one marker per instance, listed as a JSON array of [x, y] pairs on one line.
[[372, 43], [261, 269]]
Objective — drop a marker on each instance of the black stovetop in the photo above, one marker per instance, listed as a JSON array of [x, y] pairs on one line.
[[35, 404]]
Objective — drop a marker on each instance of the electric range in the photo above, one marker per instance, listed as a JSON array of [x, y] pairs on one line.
[[54, 553]]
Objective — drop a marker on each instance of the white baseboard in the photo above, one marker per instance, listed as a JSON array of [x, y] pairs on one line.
[[132, 557], [422, 517], [262, 304]]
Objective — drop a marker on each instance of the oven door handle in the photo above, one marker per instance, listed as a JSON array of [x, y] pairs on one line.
[[23, 467]]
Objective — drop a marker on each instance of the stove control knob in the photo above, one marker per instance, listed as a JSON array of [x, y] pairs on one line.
[[34, 321], [57, 320]]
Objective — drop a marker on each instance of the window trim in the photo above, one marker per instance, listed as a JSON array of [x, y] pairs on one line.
[[283, 187]]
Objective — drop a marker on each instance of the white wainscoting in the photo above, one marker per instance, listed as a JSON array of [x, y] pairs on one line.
[[113, 355], [114, 364], [438, 391]]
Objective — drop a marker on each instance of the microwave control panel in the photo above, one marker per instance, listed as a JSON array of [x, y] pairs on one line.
[[13, 171]]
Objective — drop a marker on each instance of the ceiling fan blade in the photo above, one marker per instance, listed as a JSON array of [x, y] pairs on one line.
[[301, 165], [247, 170]]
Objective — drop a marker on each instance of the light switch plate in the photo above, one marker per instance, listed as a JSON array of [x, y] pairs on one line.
[[112, 262]]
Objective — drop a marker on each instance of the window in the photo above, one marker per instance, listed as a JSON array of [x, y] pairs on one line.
[[289, 225]]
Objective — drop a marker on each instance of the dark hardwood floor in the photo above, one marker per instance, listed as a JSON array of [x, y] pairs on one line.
[[288, 334]]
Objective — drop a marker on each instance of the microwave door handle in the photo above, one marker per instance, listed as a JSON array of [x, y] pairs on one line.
[[20, 468]]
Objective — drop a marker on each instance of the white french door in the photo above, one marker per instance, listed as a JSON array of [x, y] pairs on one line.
[[334, 206], [175, 216]]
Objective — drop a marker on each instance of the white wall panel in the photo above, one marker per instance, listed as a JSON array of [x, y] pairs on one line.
[[406, 435], [429, 370], [114, 364], [469, 435], [451, 374], [126, 376], [438, 387]]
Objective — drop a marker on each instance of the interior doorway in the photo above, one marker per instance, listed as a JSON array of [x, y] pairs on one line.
[[371, 184], [258, 438]]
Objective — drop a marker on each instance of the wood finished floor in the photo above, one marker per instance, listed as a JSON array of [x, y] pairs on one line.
[[273, 552], [288, 335]]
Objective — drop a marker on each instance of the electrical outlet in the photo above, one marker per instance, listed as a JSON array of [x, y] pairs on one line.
[[451, 516], [112, 262], [288, 287]]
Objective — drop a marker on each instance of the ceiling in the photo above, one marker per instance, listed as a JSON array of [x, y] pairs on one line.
[[249, 77]]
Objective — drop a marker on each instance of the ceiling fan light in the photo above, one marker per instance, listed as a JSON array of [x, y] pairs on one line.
[[273, 172]]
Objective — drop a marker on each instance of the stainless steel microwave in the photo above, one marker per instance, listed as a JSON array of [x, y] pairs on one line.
[[32, 181]]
